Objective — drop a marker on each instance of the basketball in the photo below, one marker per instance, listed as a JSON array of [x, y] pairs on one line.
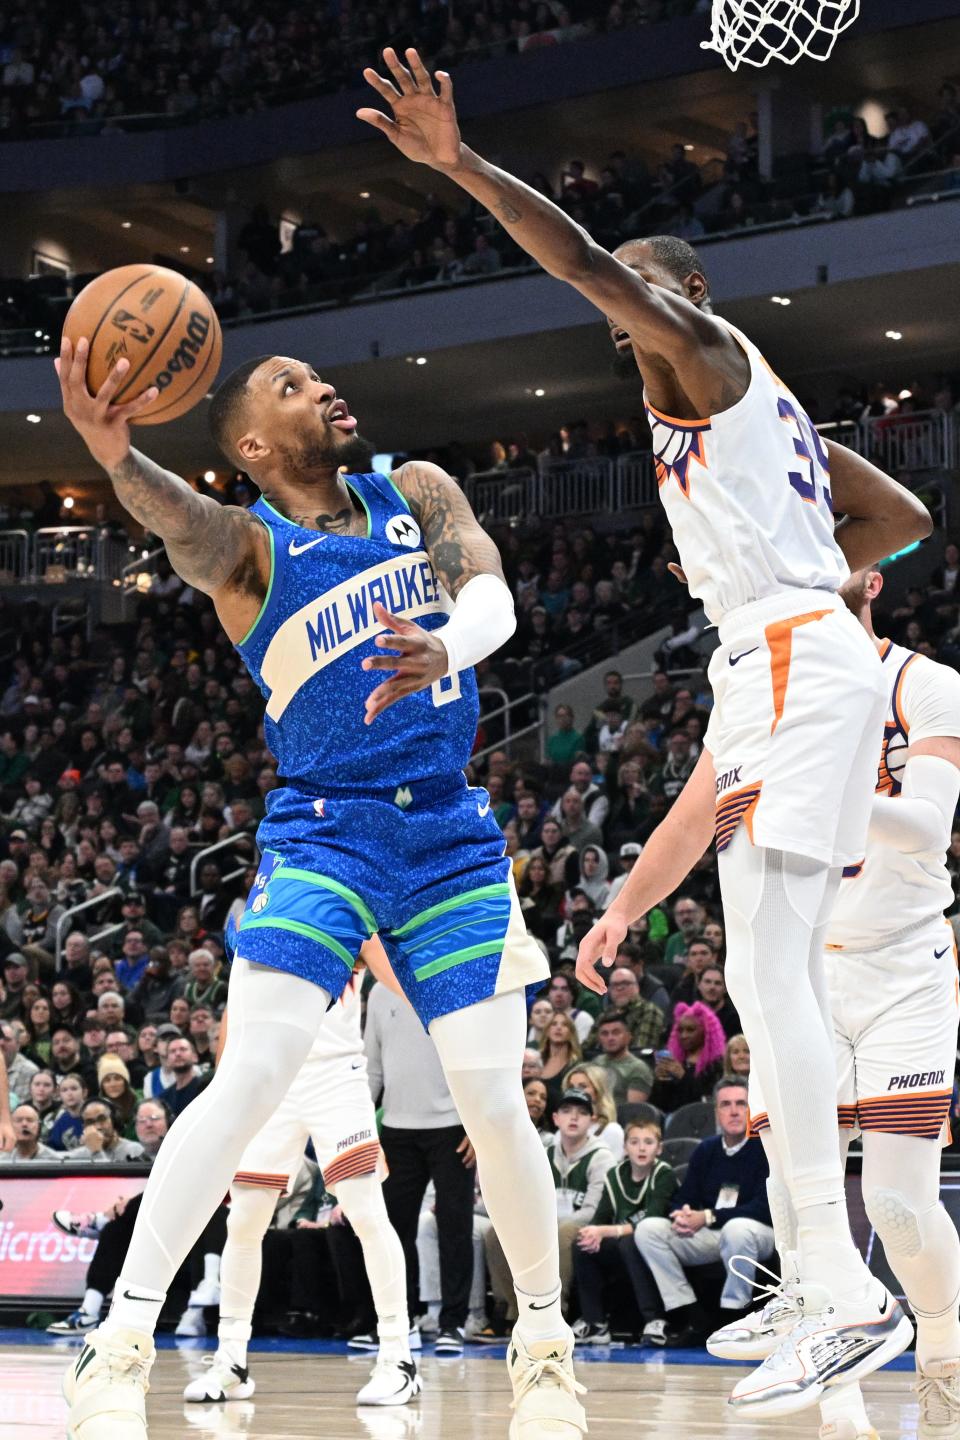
[[159, 321]]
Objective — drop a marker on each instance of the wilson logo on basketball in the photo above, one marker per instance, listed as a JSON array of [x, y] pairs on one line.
[[185, 355], [133, 326]]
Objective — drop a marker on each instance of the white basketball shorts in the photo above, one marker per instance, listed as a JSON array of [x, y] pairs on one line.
[[800, 699], [329, 1102]]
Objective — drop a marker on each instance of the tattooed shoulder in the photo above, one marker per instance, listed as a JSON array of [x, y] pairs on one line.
[[453, 537]]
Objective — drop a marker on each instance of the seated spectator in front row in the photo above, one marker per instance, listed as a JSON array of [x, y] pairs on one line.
[[26, 1132], [66, 1132], [692, 1063], [641, 1187], [102, 1142], [593, 1080], [114, 1085], [579, 1162], [631, 1079], [720, 1210], [20, 1070]]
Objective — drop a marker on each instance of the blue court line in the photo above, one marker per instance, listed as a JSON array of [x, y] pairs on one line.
[[278, 1345]]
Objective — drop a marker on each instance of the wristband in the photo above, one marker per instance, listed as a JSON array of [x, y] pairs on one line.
[[482, 620]]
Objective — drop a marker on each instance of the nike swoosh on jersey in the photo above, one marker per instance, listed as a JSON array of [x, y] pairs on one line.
[[483, 810], [296, 549], [735, 659], [939, 954]]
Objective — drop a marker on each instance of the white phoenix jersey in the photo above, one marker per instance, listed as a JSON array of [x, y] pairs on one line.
[[339, 1036], [892, 892], [747, 494]]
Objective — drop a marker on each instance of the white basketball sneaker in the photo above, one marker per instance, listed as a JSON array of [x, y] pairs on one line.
[[938, 1385], [835, 1344], [545, 1390], [392, 1382], [106, 1387], [758, 1334], [223, 1381]]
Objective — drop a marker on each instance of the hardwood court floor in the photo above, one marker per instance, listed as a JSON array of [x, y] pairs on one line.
[[301, 1394]]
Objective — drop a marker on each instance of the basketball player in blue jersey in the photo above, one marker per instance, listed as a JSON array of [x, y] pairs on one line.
[[360, 605], [749, 488]]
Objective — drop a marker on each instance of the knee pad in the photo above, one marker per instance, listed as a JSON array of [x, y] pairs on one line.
[[895, 1221]]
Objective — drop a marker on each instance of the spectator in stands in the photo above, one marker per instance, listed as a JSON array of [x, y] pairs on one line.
[[700, 954], [541, 1013], [15, 973], [908, 135], [528, 820], [132, 966], [76, 960], [566, 742], [66, 1132], [593, 1080], [156, 989], [594, 802], [27, 1147], [591, 879], [114, 1083], [712, 992], [20, 1069], [644, 1019], [688, 917], [539, 900], [43, 1097], [555, 850], [202, 1034], [632, 957], [561, 993], [693, 1066], [640, 1187], [560, 1047], [705, 1226], [67, 1057], [532, 1065], [102, 1142], [736, 1060], [160, 1077], [578, 830], [629, 853], [631, 1080], [187, 1079], [65, 1003], [536, 1096], [676, 770], [203, 988], [122, 1043]]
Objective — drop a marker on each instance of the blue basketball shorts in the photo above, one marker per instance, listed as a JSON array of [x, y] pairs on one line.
[[422, 865]]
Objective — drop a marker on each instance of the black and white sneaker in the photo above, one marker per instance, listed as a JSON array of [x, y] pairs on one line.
[[449, 1342], [587, 1334], [76, 1324], [370, 1340], [222, 1381], [392, 1382]]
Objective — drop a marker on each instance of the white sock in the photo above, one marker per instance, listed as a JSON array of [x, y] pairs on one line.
[[234, 1336], [211, 1269], [433, 1310], [134, 1307], [481, 1048], [845, 1403], [92, 1304]]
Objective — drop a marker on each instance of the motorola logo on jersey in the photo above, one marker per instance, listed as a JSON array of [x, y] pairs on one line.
[[403, 530]]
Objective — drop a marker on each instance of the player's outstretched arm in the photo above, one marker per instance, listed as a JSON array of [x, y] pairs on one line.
[[209, 545], [424, 128], [880, 515], [468, 566], [668, 857]]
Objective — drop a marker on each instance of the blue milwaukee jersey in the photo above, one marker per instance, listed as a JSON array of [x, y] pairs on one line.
[[317, 625]]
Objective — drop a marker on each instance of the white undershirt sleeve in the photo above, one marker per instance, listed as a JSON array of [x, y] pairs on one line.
[[920, 819], [482, 619]]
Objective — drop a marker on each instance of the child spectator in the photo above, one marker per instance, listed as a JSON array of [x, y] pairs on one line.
[[66, 1132]]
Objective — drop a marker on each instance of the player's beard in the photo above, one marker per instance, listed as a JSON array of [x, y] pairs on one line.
[[316, 453]]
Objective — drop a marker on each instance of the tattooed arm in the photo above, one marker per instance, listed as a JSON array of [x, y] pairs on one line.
[[221, 550], [459, 548], [468, 565]]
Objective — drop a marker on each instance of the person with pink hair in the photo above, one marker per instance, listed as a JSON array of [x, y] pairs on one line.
[[692, 1063]]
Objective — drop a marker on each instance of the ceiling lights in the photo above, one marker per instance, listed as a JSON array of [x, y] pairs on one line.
[[894, 334]]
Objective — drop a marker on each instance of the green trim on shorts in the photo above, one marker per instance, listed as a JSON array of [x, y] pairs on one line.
[[311, 933], [429, 939], [324, 881], [458, 957], [485, 892]]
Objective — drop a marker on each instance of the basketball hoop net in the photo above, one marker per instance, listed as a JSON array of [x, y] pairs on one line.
[[754, 32]]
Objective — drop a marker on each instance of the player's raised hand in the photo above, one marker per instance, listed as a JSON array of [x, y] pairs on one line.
[[424, 125], [104, 427], [419, 659], [600, 944]]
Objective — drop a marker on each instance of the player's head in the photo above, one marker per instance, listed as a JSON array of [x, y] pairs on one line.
[[859, 592], [275, 416], [669, 262]]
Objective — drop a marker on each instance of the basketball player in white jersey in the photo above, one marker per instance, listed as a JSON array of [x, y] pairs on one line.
[[329, 1101], [749, 488], [891, 967]]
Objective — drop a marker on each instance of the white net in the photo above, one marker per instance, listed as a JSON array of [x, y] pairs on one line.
[[754, 32]]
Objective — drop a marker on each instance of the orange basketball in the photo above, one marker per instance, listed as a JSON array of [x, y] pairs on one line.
[[159, 321]]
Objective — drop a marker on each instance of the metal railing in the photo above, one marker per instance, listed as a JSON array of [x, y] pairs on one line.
[[511, 733], [130, 578], [14, 555], [215, 848], [927, 440], [68, 915], [66, 552]]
